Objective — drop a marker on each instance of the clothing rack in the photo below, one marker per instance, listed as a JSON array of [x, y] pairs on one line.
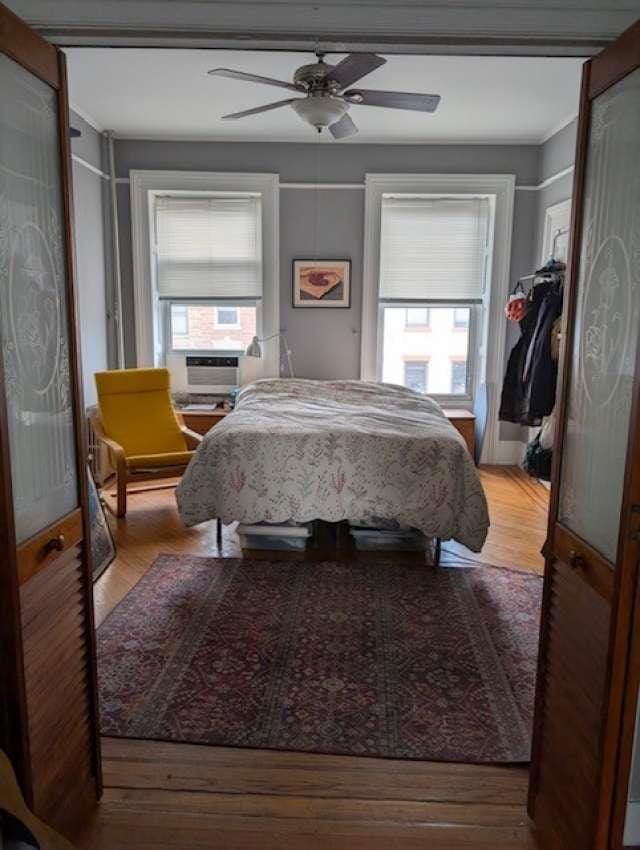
[[541, 275]]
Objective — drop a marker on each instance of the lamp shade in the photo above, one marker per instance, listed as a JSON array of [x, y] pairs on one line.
[[253, 349]]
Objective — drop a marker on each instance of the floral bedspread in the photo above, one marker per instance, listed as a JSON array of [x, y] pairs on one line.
[[299, 450]]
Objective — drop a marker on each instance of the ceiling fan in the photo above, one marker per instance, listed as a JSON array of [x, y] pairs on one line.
[[328, 94]]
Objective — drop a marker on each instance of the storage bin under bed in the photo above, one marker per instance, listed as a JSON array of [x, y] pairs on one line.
[[271, 536]]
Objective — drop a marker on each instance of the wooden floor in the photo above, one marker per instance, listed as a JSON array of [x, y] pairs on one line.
[[160, 796]]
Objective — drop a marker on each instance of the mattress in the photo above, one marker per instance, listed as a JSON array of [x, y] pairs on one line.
[[298, 450]]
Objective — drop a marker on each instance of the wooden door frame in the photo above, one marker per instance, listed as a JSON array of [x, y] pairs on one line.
[[599, 73], [47, 63]]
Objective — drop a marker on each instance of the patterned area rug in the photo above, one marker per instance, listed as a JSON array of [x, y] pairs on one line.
[[349, 658]]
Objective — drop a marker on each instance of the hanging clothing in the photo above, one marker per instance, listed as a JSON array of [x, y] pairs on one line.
[[541, 368], [529, 387]]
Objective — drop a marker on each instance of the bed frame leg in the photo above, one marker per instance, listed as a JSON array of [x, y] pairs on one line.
[[437, 552]]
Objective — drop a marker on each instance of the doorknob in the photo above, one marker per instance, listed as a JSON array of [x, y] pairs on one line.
[[56, 544], [576, 561]]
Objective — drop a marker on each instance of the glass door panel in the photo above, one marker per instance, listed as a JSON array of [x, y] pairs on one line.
[[607, 322], [34, 331]]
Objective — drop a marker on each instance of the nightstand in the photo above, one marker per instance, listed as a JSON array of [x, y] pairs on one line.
[[202, 419], [464, 422]]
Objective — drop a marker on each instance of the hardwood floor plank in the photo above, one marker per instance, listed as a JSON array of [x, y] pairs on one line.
[[116, 831], [290, 807], [179, 767]]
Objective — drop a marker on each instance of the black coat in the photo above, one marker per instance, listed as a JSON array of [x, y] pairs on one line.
[[529, 389]]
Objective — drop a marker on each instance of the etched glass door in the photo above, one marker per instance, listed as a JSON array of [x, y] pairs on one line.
[[607, 323], [593, 546], [46, 628], [34, 323]]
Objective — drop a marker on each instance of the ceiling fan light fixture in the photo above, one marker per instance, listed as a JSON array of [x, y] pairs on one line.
[[320, 110]]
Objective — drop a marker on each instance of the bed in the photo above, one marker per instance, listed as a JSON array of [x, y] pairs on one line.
[[301, 450]]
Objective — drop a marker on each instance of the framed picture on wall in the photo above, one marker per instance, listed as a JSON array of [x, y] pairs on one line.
[[555, 238], [322, 283]]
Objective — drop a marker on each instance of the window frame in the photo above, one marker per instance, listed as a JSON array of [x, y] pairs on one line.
[[459, 361], [492, 332], [149, 316], [476, 312]]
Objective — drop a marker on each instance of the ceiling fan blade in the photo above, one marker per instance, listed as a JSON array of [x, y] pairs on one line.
[[254, 78], [394, 99], [354, 67], [343, 128], [258, 109]]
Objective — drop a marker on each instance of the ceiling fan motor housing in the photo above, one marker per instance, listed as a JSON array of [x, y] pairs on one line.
[[314, 76]]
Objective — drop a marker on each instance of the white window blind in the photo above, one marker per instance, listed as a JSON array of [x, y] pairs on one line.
[[209, 247], [433, 248]]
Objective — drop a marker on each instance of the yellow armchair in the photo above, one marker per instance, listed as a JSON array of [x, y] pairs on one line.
[[145, 436]]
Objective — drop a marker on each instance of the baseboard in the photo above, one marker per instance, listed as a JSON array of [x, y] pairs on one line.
[[508, 453]]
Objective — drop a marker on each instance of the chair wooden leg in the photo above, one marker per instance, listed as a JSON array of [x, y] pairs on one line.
[[121, 509]]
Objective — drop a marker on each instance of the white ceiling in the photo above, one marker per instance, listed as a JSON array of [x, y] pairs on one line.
[[158, 93]]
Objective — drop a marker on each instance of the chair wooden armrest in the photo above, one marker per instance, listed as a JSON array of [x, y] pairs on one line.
[[118, 459], [116, 451], [192, 437]]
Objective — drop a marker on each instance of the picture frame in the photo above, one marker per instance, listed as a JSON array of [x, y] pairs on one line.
[[103, 548], [321, 283]]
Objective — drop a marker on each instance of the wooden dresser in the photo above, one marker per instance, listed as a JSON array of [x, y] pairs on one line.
[[202, 420], [465, 422]]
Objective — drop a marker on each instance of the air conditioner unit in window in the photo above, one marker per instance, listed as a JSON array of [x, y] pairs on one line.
[[205, 374]]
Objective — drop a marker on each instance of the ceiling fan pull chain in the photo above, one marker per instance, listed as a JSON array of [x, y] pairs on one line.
[[317, 205]]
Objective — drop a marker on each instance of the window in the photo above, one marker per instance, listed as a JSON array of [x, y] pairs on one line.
[[438, 343], [209, 249], [416, 376], [179, 320], [198, 327], [227, 316], [432, 254], [460, 318], [476, 278], [151, 189], [417, 317], [458, 377]]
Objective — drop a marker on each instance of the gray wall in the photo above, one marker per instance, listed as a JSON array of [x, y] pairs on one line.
[[556, 154], [89, 190], [325, 344]]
